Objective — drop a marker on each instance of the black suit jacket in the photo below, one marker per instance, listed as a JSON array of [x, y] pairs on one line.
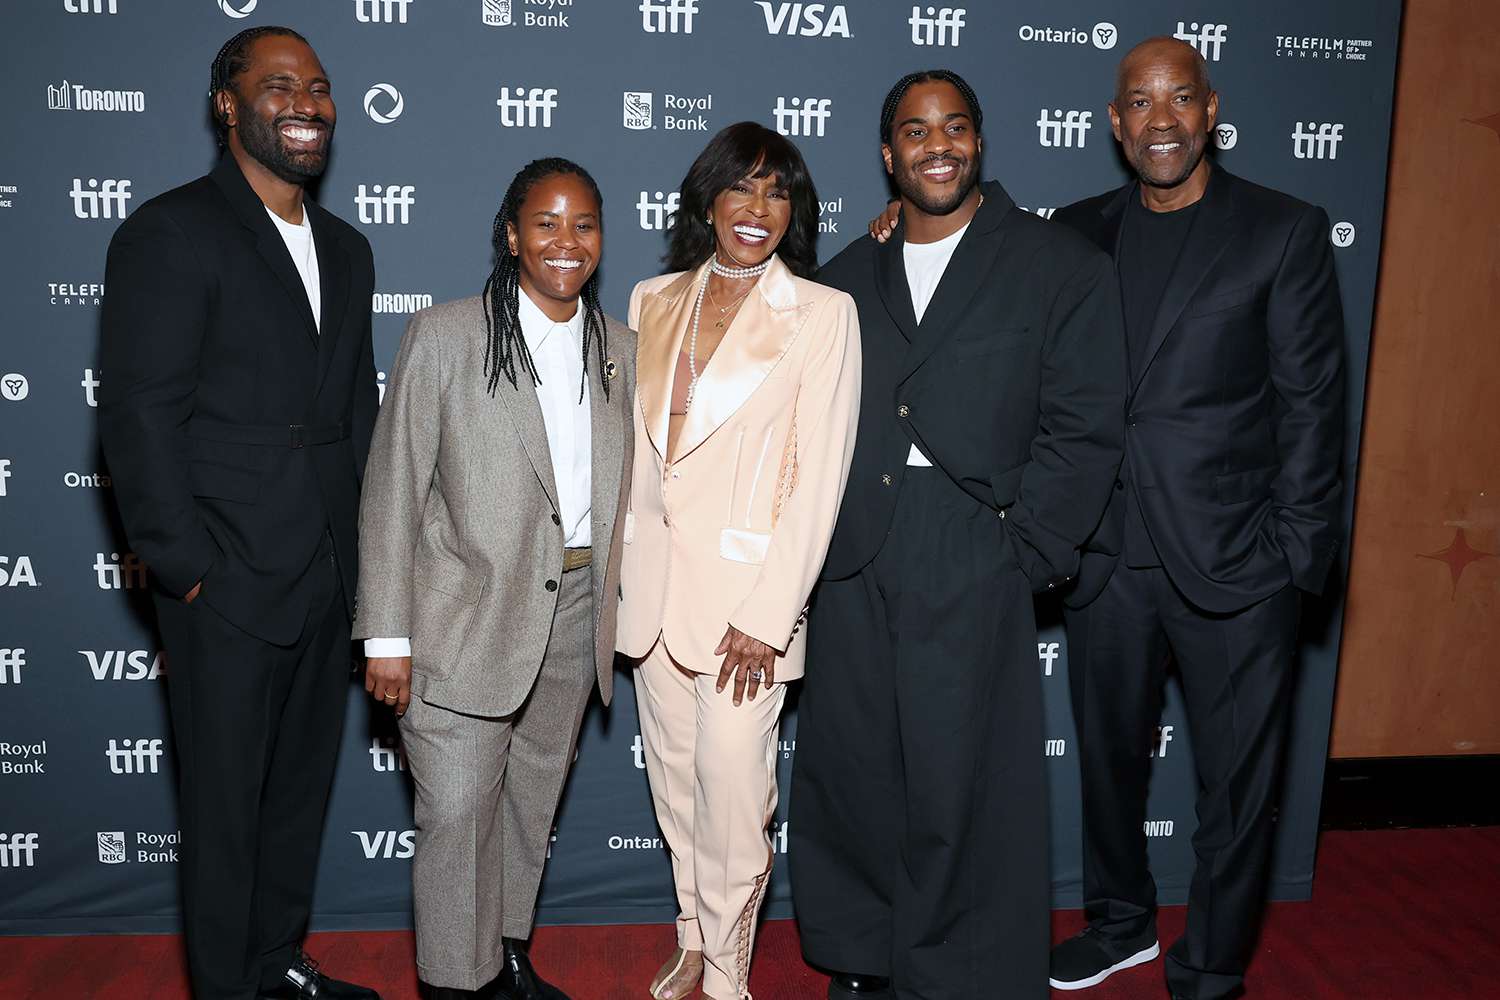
[[209, 355], [1235, 416], [1013, 385]]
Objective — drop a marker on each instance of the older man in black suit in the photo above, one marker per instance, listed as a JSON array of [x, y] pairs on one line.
[[236, 408]]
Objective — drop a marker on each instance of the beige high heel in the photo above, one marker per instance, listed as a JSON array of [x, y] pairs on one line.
[[679, 976]]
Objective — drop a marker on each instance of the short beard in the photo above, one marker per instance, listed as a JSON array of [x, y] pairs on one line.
[[1171, 182], [262, 140], [909, 183]]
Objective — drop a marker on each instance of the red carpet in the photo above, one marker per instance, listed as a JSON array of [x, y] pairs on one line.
[[1396, 915]]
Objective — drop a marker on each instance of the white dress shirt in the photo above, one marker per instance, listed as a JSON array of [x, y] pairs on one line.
[[299, 243], [925, 264], [557, 352]]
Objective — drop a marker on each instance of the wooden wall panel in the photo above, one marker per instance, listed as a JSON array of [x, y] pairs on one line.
[[1419, 670]]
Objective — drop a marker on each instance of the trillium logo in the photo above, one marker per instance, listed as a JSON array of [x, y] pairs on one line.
[[1342, 234], [390, 96], [1105, 35], [230, 10], [1226, 136]]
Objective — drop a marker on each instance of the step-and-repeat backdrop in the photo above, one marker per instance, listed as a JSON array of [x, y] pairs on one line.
[[440, 102]]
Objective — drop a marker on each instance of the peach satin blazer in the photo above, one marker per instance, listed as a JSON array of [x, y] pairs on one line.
[[733, 528]]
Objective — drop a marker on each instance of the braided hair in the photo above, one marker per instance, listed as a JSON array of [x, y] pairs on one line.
[[505, 347], [233, 58], [888, 110]]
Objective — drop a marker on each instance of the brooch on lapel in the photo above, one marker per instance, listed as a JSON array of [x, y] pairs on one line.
[[611, 370]]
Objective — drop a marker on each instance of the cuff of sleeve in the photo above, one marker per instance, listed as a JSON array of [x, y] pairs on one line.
[[387, 647]]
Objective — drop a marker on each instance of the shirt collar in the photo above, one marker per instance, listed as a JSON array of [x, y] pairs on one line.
[[536, 326]]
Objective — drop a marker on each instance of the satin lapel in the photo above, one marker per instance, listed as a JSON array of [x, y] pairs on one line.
[[333, 279], [890, 279], [662, 328], [607, 442], [760, 334], [1211, 233], [526, 414]]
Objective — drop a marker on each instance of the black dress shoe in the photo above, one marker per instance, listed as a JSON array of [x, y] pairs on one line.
[[303, 981], [518, 980], [857, 986]]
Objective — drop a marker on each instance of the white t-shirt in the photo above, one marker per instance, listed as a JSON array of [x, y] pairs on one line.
[[925, 264], [299, 243]]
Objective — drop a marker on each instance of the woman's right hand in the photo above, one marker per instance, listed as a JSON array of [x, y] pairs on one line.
[[388, 679], [885, 223]]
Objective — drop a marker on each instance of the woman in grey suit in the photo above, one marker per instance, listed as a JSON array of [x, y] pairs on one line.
[[488, 546]]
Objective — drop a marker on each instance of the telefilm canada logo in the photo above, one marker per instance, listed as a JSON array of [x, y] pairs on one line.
[[67, 96], [75, 293], [810, 20], [6, 190], [1325, 47]]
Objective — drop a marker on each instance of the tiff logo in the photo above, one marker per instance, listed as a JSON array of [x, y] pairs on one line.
[[674, 17], [388, 207], [387, 843], [128, 573], [528, 109], [380, 11], [18, 850], [1163, 737], [807, 116], [939, 26], [11, 662], [5, 470], [638, 750], [135, 756], [1208, 39], [657, 211], [124, 664], [1064, 130], [1047, 653], [1317, 142], [107, 197], [90, 384], [91, 6], [386, 754]]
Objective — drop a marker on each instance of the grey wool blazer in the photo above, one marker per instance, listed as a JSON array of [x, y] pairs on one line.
[[459, 546]]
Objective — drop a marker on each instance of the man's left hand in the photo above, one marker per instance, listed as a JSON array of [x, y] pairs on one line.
[[751, 662]]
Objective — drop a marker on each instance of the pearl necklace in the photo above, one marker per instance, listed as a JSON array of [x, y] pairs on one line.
[[723, 271]]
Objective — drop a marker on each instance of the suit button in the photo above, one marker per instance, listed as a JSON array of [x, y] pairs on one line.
[[1051, 586], [665, 520], [903, 410], [556, 519], [886, 479], [1119, 485], [1130, 420], [550, 585]]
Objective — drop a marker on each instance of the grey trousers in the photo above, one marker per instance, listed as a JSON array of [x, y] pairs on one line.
[[486, 792]]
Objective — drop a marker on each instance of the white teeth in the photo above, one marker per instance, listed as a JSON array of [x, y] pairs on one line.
[[300, 134], [1163, 147], [940, 168], [564, 265], [752, 232]]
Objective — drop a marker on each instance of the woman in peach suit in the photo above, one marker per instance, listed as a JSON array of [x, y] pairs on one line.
[[748, 398]]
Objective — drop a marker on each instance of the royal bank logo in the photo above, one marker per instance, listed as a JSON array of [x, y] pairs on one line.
[[381, 11], [386, 844], [828, 215], [17, 571], [529, 108], [75, 293], [386, 754], [96, 199], [135, 756], [23, 758], [1103, 35], [936, 25], [11, 662], [637, 110], [91, 6], [384, 205], [384, 103], [1314, 141], [802, 116], [14, 386], [668, 17], [1324, 47], [1226, 136], [1341, 234], [119, 572], [810, 20], [1064, 129], [1047, 654], [125, 664], [1207, 38], [495, 13], [76, 97], [111, 847], [399, 303], [18, 850], [238, 10]]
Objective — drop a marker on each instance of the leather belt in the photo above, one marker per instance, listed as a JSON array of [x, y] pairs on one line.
[[577, 558], [270, 435]]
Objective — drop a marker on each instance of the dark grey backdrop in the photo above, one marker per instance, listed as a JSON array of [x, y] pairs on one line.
[[86, 838]]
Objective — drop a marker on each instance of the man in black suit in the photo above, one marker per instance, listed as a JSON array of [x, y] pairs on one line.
[[1227, 507], [989, 438], [235, 412]]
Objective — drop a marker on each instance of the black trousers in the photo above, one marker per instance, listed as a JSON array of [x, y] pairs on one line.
[[256, 730], [918, 800], [1236, 672]]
